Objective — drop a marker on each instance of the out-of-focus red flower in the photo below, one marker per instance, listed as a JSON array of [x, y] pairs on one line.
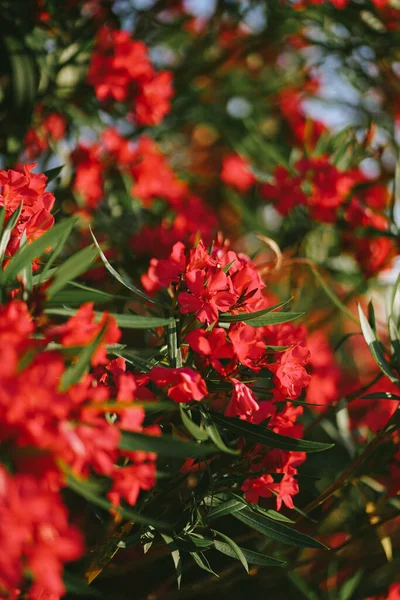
[[120, 70], [35, 536], [82, 329], [88, 174], [236, 172]]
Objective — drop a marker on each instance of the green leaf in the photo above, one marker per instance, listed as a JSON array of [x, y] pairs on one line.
[[24, 77], [75, 372], [380, 396], [51, 174], [225, 508], [253, 558], [73, 267], [237, 551], [5, 237], [176, 557], [86, 489], [124, 280], [200, 559], [350, 585], [259, 434], [123, 321], [195, 430], [274, 319], [331, 294], [376, 348], [215, 435], [276, 531], [256, 558], [164, 445], [27, 254], [228, 318], [174, 352]]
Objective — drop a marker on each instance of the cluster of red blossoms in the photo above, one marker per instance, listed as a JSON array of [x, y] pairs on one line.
[[26, 191], [331, 196], [185, 216], [48, 128], [49, 428], [120, 70], [207, 285]]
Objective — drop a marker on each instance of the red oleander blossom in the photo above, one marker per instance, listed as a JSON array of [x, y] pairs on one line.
[[26, 190], [82, 329], [236, 172], [120, 70], [243, 402], [182, 384], [35, 537], [290, 372]]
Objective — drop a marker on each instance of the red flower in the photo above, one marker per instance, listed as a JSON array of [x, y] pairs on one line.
[[243, 402], [120, 70], [214, 346], [88, 174], [153, 101], [82, 329], [290, 371], [28, 189], [207, 295], [184, 384], [34, 536], [128, 481], [236, 172]]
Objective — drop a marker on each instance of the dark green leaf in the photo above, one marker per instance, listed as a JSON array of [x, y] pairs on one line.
[[5, 237], [259, 434], [88, 491], [27, 254], [228, 318], [195, 430], [225, 508], [164, 445], [237, 551], [276, 531], [176, 557], [124, 280], [51, 174], [73, 267]]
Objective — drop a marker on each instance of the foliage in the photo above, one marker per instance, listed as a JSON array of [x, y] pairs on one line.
[[199, 318]]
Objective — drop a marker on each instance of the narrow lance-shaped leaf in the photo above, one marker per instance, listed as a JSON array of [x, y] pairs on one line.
[[86, 490], [51, 174], [28, 253], [73, 267], [11, 223], [215, 435], [194, 430], [164, 445], [124, 280], [277, 531], [261, 435], [123, 321], [376, 348], [237, 551], [176, 557], [228, 318], [253, 558]]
